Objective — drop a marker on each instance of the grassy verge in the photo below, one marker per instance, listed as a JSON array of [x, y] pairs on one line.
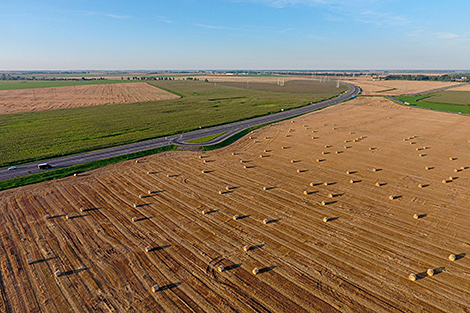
[[205, 139], [80, 168]]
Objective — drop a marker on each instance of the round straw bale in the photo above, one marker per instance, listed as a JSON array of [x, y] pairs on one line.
[[420, 185], [452, 257], [306, 192], [155, 288], [228, 187], [148, 249], [323, 203], [265, 221], [415, 216], [377, 184], [255, 271], [292, 161], [325, 219], [391, 197], [68, 216], [141, 196], [444, 181], [221, 192], [298, 171], [30, 261], [220, 268], [47, 216], [246, 248], [451, 158], [135, 205], [426, 168], [75, 175], [82, 209], [134, 219], [412, 277], [244, 166], [330, 195], [326, 183], [430, 272], [149, 192], [456, 170], [235, 217], [204, 212], [57, 273], [265, 188], [136, 161], [233, 153]]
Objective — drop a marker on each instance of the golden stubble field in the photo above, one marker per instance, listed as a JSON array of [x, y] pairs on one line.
[[396, 87], [358, 261], [41, 99]]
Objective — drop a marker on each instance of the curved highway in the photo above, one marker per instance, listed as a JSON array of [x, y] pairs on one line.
[[228, 130]]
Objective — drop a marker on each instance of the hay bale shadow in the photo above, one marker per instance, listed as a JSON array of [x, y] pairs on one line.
[[74, 271], [169, 286], [44, 260], [143, 218], [266, 269], [422, 215], [232, 267], [274, 221], [331, 219], [439, 270], [460, 256], [257, 246], [243, 216], [421, 275], [78, 216]]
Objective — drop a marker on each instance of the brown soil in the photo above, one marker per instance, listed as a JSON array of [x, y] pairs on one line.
[[396, 87], [359, 261], [41, 99]]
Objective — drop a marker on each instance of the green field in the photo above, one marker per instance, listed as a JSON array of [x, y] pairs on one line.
[[450, 101], [33, 136], [28, 84]]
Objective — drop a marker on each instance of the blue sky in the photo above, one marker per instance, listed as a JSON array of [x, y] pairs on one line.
[[234, 34]]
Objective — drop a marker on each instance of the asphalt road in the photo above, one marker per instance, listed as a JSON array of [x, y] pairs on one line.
[[229, 129]]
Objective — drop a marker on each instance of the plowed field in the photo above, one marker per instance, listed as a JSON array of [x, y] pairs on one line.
[[358, 261], [41, 99]]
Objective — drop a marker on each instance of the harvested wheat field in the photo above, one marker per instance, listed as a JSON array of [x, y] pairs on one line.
[[356, 208], [42, 99], [396, 87]]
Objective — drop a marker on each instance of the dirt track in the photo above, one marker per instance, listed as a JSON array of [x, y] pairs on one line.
[[359, 261], [42, 99]]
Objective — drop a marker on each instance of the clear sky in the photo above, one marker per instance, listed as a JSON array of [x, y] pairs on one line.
[[234, 34]]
